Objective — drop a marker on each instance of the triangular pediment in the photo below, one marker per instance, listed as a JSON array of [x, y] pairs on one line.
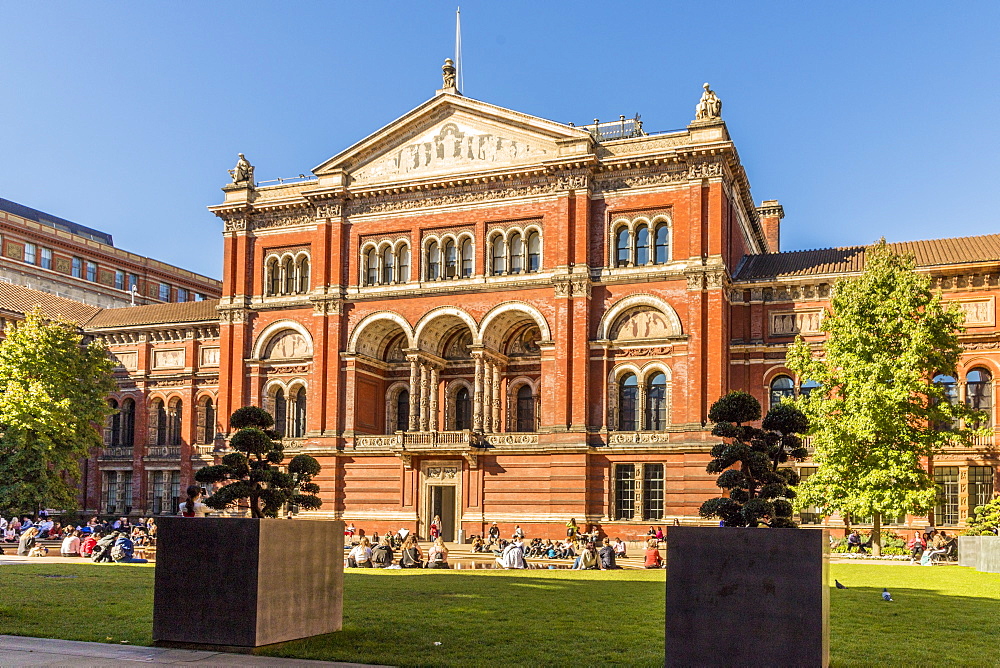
[[451, 134]]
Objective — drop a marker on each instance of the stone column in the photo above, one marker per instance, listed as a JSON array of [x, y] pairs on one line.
[[640, 421], [414, 394], [424, 382], [477, 405], [487, 396], [496, 399], [433, 413]]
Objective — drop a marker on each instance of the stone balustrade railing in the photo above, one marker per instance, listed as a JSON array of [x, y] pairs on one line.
[[117, 452], [163, 452]]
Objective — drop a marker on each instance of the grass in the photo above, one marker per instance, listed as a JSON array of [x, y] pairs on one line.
[[530, 617]]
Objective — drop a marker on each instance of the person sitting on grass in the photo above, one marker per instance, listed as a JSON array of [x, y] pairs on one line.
[[410, 556], [621, 549], [71, 545], [653, 558], [588, 559], [382, 554], [360, 555], [437, 556], [27, 542], [512, 556], [607, 555]]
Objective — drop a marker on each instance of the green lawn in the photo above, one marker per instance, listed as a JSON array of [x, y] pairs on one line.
[[530, 617]]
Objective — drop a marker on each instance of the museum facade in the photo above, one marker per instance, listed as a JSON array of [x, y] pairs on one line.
[[492, 317]]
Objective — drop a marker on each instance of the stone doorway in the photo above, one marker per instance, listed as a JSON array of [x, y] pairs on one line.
[[440, 494]]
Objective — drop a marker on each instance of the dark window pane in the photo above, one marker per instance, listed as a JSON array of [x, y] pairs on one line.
[[624, 491]]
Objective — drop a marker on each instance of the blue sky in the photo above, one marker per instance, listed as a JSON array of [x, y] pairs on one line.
[[863, 119]]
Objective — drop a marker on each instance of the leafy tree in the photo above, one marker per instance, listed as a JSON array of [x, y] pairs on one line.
[[251, 472], [53, 400], [759, 489], [878, 414], [985, 520]]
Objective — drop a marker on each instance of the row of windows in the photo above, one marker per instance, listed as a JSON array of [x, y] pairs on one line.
[[644, 480], [163, 492], [165, 423], [980, 491], [286, 276], [630, 415], [642, 245], [978, 391], [390, 266], [524, 418]]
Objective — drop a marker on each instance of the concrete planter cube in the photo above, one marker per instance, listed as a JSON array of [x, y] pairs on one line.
[[742, 597], [968, 551], [240, 583], [989, 554]]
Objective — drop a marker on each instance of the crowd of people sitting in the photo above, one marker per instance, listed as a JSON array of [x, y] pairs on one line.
[[929, 547], [116, 540]]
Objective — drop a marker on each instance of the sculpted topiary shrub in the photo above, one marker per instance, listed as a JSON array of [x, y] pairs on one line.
[[251, 472], [749, 466]]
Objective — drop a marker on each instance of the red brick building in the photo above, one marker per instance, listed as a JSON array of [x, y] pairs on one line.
[[489, 316]]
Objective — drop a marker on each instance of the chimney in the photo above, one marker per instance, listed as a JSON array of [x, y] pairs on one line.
[[771, 213]]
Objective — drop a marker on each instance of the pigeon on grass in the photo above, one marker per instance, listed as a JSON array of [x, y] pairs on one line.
[[886, 596], [839, 586]]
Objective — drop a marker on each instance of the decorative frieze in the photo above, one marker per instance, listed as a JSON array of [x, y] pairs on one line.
[[979, 312], [790, 323], [511, 439], [472, 195], [168, 359], [329, 210], [638, 437]]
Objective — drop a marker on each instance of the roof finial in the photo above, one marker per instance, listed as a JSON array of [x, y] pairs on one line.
[[448, 75]]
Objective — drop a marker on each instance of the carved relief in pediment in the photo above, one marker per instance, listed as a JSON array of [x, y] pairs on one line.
[[642, 323], [287, 345]]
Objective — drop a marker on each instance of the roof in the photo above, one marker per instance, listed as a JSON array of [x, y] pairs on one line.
[[19, 299], [54, 221], [851, 259], [155, 314]]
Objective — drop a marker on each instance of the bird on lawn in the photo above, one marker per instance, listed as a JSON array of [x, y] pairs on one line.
[[886, 596], [839, 586]]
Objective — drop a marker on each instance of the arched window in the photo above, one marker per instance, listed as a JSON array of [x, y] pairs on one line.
[[463, 409], [781, 387], [628, 403], [662, 244], [273, 277], [289, 277], [499, 256], [467, 260], [159, 415], [950, 386], [642, 245], [807, 387], [624, 240], [525, 409], [115, 436], [534, 251], [656, 403], [299, 416], [371, 267], [433, 261], [280, 412], [979, 393], [208, 429], [128, 423], [404, 264], [175, 422], [304, 275], [388, 264], [403, 410], [450, 259], [516, 254]]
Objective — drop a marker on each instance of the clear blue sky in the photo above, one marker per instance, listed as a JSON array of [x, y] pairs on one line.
[[863, 119]]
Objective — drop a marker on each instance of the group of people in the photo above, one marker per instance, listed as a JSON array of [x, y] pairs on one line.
[[383, 554], [927, 547], [113, 540]]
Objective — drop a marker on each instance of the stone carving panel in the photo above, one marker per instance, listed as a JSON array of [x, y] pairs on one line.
[[209, 357], [287, 345], [168, 359], [526, 343], [643, 323], [789, 323], [128, 361], [979, 312]]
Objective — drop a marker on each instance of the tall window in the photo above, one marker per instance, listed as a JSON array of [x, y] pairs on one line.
[[622, 247], [950, 386], [404, 264], [979, 393], [280, 412], [160, 420], [809, 514], [628, 403], [115, 435], [46, 258], [525, 409], [534, 251], [182, 294], [642, 245], [164, 291], [77, 268], [516, 254], [467, 260], [403, 410], [656, 403], [662, 244], [463, 410], [450, 259], [120, 280], [128, 422], [499, 255], [304, 275], [175, 422], [30, 251], [208, 429], [371, 267], [92, 275], [946, 510], [624, 491], [388, 264], [289, 277], [433, 261], [781, 387], [652, 492], [274, 277], [299, 421], [980, 486]]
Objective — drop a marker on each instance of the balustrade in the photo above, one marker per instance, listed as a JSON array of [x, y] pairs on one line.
[[163, 452], [117, 452]]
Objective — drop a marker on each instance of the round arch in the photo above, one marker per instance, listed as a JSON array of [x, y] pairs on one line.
[[275, 328], [429, 322], [625, 303], [508, 313], [380, 320]]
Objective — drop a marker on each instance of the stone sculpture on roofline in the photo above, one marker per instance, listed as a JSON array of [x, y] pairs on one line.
[[709, 107]]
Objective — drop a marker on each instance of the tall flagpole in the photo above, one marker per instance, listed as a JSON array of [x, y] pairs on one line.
[[458, 50]]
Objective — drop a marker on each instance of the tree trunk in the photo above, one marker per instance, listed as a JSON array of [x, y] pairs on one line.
[[877, 534]]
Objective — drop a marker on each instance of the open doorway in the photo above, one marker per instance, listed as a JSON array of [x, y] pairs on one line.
[[442, 499]]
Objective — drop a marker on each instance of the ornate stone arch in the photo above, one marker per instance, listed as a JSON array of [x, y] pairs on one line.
[[513, 386], [379, 321], [632, 301], [493, 327], [276, 328], [450, 392], [427, 323]]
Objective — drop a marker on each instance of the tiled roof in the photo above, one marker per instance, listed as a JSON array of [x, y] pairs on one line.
[[19, 299], [929, 253], [154, 314]]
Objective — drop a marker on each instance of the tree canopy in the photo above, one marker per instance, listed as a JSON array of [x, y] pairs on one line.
[[760, 489], [251, 472], [53, 401], [879, 413]]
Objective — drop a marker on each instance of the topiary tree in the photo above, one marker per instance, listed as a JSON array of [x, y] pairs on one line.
[[759, 491], [985, 520], [252, 472]]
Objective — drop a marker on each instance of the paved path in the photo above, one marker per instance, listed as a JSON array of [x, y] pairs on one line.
[[16, 651]]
